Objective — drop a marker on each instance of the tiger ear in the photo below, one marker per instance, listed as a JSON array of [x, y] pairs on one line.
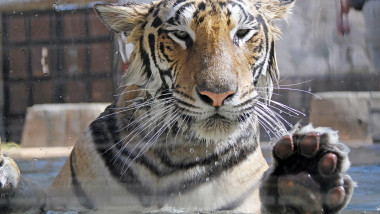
[[122, 18], [276, 9]]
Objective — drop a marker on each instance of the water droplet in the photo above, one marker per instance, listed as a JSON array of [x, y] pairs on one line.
[[191, 150], [216, 163]]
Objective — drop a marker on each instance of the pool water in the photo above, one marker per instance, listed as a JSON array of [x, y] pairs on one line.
[[366, 197]]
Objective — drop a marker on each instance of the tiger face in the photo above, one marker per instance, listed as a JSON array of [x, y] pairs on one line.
[[214, 60]]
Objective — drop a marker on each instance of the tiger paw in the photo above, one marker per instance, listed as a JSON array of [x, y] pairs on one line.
[[9, 176], [308, 174]]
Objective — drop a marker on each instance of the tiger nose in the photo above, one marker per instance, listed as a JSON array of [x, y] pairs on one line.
[[215, 99]]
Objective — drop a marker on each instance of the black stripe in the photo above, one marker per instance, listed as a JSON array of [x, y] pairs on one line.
[[156, 22], [187, 104], [145, 58], [181, 9], [259, 47], [171, 21], [201, 7], [222, 4], [178, 2], [157, 11], [79, 192], [247, 102], [185, 95], [260, 19], [241, 9], [152, 45], [162, 49], [271, 64], [215, 171]]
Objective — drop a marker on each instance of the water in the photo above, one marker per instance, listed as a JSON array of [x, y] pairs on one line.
[[366, 197]]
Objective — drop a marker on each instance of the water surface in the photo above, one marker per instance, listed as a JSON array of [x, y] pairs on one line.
[[366, 197]]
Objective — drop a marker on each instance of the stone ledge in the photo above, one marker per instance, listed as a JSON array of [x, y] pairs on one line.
[[58, 125], [37, 153], [356, 115]]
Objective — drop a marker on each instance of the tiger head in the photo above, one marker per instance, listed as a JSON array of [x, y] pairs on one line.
[[214, 60]]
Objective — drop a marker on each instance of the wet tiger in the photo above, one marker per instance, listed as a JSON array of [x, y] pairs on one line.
[[184, 133]]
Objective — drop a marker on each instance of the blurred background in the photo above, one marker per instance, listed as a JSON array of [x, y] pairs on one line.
[[52, 52]]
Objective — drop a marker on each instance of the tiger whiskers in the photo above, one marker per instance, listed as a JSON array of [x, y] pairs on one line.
[[153, 139], [145, 125], [158, 105], [273, 122], [140, 90], [288, 87], [131, 124], [135, 105]]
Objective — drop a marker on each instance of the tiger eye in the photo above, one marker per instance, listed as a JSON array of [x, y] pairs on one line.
[[181, 34], [242, 33]]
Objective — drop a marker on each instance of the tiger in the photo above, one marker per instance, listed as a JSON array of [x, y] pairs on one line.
[[183, 133]]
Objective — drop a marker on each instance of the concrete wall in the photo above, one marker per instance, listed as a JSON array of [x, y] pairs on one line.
[[311, 45], [313, 57]]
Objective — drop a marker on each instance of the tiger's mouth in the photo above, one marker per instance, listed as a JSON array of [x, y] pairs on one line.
[[216, 126], [217, 120], [217, 116]]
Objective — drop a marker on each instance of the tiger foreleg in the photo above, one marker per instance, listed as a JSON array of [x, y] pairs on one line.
[[16, 193], [9, 181], [308, 174]]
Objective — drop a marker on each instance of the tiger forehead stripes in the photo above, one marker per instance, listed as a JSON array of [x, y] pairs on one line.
[[208, 30]]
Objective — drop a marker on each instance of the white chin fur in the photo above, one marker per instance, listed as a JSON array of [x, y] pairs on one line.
[[212, 129]]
